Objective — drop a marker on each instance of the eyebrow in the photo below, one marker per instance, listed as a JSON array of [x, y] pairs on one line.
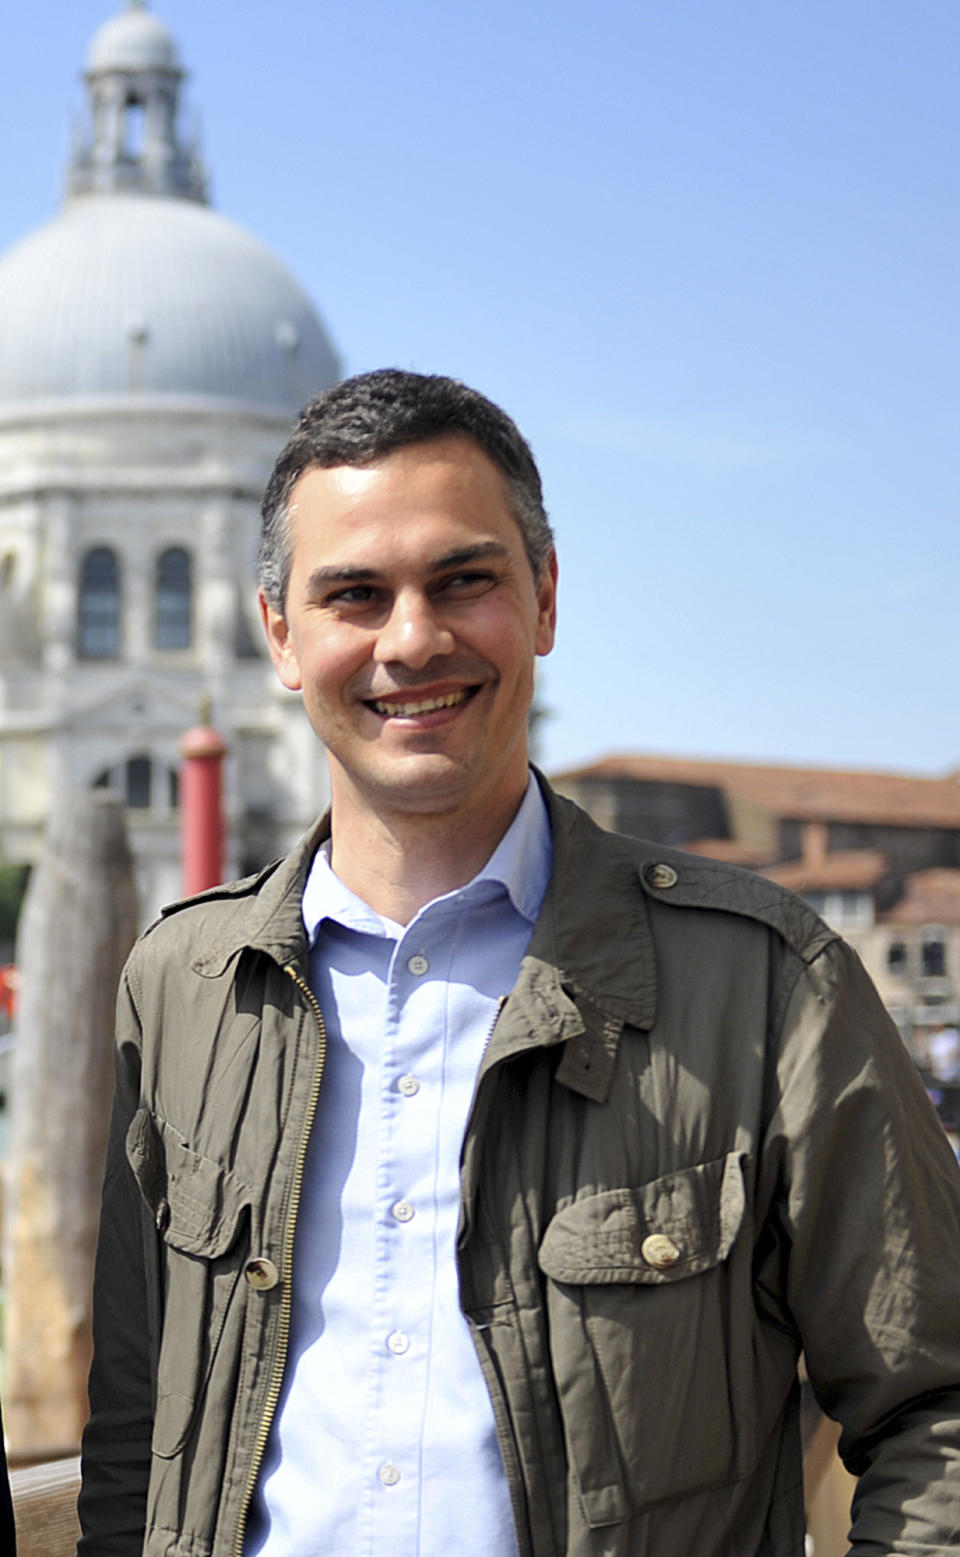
[[322, 578], [466, 554]]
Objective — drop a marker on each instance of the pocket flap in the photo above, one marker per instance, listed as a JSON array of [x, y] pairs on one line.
[[197, 1203], [664, 1231]]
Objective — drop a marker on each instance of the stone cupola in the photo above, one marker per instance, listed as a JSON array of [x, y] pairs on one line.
[[133, 142]]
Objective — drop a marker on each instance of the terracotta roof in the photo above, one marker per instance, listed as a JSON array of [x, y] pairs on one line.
[[843, 870], [730, 850], [929, 897], [806, 794]]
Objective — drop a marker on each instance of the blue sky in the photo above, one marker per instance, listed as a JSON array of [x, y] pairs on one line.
[[705, 252]]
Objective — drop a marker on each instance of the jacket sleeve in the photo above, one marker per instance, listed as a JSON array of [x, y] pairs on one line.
[[870, 1200], [116, 1441]]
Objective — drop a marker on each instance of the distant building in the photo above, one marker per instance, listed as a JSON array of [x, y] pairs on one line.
[[876, 854], [152, 358]]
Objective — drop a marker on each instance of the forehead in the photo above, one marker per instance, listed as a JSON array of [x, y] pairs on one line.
[[441, 486]]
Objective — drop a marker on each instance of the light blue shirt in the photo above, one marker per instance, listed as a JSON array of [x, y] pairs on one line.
[[384, 1442]]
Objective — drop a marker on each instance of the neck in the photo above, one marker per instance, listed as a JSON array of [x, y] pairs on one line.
[[399, 863]]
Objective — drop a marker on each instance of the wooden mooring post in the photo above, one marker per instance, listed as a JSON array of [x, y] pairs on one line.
[[79, 920]]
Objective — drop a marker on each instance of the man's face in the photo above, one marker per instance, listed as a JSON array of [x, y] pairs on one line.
[[411, 626]]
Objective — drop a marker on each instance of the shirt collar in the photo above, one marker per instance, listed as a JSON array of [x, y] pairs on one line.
[[523, 858], [520, 865]]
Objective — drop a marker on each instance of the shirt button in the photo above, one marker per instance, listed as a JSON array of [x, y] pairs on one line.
[[389, 1474], [398, 1343], [418, 964], [408, 1085], [403, 1211]]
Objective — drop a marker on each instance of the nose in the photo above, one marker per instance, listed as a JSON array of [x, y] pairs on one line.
[[412, 633]]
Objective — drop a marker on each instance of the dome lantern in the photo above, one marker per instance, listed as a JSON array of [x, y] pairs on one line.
[[133, 145], [138, 288]]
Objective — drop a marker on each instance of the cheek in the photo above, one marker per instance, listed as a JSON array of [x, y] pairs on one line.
[[514, 644], [331, 669]]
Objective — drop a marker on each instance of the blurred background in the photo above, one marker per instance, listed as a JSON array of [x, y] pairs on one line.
[[703, 253]]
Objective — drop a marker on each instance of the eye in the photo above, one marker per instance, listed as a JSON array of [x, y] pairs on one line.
[[352, 595], [473, 581]]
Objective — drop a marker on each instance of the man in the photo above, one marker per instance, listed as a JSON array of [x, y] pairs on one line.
[[476, 1177]]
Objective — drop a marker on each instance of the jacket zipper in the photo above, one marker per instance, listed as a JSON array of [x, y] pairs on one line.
[[283, 1328], [465, 1207], [506, 1439]]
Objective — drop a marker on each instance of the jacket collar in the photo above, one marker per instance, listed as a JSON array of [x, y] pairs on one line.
[[590, 968], [268, 915]]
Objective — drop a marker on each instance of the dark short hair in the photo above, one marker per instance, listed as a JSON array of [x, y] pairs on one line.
[[362, 418]]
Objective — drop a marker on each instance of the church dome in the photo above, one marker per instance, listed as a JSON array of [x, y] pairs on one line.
[[134, 40], [138, 287], [138, 294]]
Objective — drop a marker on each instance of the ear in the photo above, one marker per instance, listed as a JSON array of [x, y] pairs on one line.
[[280, 644], [546, 605]]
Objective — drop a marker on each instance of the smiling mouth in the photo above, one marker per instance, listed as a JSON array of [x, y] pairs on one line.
[[420, 705]]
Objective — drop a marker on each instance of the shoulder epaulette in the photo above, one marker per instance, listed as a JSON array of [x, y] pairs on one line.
[[691, 881], [225, 891]]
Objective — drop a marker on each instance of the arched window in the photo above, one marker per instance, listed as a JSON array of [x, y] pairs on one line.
[[173, 621], [144, 783], [134, 115], [139, 781], [245, 645], [933, 953], [98, 614]]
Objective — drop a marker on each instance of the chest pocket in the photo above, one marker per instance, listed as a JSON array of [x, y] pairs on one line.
[[201, 1211], [650, 1337]]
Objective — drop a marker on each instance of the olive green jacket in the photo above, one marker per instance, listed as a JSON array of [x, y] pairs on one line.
[[696, 1147]]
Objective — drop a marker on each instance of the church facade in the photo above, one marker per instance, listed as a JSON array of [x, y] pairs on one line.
[[153, 356]]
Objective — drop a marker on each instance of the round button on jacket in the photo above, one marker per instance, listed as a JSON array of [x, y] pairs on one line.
[[403, 1211], [408, 1085], [389, 1474], [660, 1251], [418, 964], [261, 1274], [662, 875]]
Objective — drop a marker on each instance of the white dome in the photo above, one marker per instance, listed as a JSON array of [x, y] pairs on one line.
[[139, 294], [134, 40]]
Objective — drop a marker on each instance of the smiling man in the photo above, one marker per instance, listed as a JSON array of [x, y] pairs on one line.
[[410, 620], [476, 1177]]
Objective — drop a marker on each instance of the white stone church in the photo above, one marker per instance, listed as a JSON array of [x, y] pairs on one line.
[[152, 358]]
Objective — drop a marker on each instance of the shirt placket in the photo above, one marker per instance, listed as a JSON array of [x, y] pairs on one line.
[[405, 1273]]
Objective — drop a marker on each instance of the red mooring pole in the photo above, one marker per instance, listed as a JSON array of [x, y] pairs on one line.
[[201, 807]]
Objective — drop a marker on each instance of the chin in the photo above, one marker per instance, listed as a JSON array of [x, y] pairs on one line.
[[425, 782]]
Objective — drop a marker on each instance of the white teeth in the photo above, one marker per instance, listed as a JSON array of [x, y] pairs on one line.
[[423, 705]]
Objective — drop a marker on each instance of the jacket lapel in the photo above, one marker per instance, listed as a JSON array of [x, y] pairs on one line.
[[589, 969]]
